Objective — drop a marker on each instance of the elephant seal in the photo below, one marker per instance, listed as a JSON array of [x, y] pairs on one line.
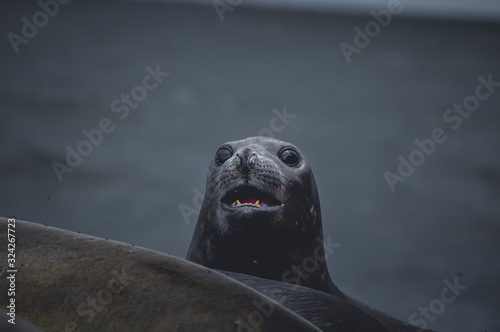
[[261, 215], [66, 281], [260, 223]]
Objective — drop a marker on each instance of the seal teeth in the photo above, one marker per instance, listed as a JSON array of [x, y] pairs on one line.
[[249, 196]]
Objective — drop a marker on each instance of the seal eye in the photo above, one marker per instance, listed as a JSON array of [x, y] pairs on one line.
[[222, 155], [289, 156]]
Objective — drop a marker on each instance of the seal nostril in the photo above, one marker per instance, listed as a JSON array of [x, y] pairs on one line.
[[246, 160], [251, 159]]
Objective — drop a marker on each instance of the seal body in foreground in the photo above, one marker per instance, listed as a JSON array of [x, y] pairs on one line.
[[261, 215]]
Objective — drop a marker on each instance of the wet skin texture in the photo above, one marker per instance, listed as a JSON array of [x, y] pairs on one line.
[[261, 218]]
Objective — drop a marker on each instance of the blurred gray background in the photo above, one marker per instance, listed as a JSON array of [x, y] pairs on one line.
[[352, 121]]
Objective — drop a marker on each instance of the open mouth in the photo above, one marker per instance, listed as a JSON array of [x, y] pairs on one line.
[[249, 196]]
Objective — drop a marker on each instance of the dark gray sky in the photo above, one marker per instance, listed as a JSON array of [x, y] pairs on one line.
[[482, 9]]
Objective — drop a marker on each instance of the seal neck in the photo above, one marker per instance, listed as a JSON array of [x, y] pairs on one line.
[[266, 257]]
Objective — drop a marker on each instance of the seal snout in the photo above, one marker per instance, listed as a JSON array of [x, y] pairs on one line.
[[245, 160]]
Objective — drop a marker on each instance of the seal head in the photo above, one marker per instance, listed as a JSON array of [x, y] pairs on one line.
[[261, 215]]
